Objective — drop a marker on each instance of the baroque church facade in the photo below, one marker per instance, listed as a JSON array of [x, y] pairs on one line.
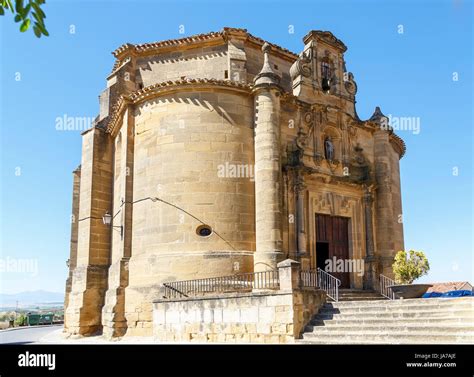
[[157, 197]]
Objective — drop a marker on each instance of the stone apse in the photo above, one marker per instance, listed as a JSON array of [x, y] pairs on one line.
[[324, 182]]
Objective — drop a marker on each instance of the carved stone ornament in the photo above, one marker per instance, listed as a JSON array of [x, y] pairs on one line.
[[333, 164], [359, 158], [318, 158], [308, 117], [350, 85], [302, 66]]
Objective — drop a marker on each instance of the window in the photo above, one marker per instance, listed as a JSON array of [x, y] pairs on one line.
[[204, 230], [326, 75], [325, 70]]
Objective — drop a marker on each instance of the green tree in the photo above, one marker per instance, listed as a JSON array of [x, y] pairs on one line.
[[27, 13], [409, 267], [20, 320]]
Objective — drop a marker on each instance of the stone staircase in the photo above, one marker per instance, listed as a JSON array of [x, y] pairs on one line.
[[367, 318], [359, 295]]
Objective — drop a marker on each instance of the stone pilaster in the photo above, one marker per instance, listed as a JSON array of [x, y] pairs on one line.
[[300, 190], [237, 57], [113, 313], [72, 262], [267, 168], [89, 278], [289, 275]]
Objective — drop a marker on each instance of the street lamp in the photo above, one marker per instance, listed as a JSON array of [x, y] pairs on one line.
[[107, 220]]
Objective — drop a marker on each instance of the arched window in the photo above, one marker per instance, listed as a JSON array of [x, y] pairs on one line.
[[326, 75], [326, 70]]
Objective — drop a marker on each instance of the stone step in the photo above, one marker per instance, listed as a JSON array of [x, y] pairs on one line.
[[411, 321], [356, 336], [360, 298], [421, 314], [378, 338], [360, 295], [468, 321], [377, 307], [407, 302], [389, 329]]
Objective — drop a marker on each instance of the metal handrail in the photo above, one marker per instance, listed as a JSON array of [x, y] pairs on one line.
[[329, 283], [384, 289], [222, 284], [173, 289]]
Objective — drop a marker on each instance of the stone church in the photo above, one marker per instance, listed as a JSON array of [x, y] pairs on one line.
[[221, 154]]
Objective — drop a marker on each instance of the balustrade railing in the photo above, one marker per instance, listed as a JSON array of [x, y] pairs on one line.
[[222, 284], [309, 278]]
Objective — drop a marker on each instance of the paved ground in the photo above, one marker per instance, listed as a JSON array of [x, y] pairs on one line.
[[27, 334], [54, 335]]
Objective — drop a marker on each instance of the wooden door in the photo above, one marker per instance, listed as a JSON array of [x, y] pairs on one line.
[[334, 230]]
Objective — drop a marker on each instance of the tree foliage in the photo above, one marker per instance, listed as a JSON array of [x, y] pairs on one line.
[[409, 267], [27, 13], [20, 320]]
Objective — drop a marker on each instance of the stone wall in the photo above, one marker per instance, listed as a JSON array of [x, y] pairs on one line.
[[257, 317], [203, 62], [271, 316], [183, 143]]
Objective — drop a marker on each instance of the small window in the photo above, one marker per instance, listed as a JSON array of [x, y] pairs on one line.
[[275, 66], [204, 230], [226, 74], [326, 76], [325, 70]]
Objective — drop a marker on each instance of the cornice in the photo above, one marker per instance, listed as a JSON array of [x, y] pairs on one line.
[[220, 37], [158, 89]]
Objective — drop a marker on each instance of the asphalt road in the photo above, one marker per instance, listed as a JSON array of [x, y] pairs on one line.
[[26, 335]]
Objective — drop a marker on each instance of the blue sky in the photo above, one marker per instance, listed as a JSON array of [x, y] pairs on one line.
[[408, 74]]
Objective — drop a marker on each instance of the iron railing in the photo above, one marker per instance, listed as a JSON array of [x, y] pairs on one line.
[[328, 283], [384, 289], [223, 284], [309, 278]]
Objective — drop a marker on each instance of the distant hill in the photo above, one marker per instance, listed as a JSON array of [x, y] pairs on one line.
[[30, 298]]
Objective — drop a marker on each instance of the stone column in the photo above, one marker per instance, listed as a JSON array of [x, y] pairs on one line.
[[267, 168], [318, 147], [89, 279], [385, 217], [370, 258], [300, 217]]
